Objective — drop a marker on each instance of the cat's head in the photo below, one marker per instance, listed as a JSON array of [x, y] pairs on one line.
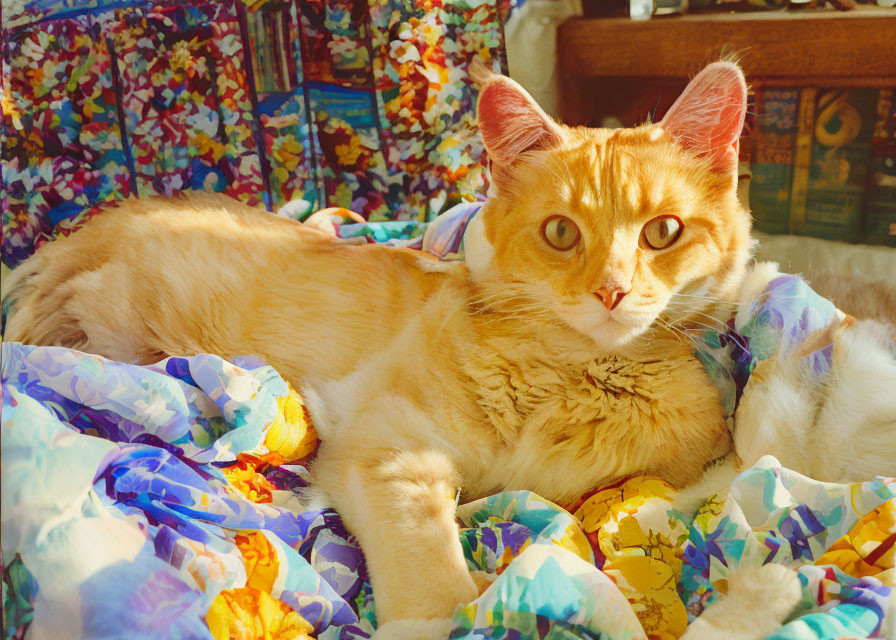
[[608, 229]]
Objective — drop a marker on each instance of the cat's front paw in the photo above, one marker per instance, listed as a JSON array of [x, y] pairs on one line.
[[757, 602], [775, 586], [437, 629]]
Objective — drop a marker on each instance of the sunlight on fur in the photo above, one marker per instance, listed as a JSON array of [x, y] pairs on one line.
[[563, 342]]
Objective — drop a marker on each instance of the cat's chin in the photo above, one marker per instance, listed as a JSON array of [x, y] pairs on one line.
[[610, 336], [615, 337]]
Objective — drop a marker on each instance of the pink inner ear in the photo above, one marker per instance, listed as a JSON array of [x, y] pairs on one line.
[[510, 122], [709, 116]]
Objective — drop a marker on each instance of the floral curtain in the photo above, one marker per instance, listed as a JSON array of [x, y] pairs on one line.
[[363, 104]]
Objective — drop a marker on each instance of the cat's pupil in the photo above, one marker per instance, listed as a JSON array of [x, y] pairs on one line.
[[664, 229], [561, 229]]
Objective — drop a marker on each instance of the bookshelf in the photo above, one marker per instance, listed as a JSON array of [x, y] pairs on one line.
[[812, 47], [797, 63]]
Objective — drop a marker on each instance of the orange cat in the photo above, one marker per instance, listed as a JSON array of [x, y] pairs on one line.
[[542, 363]]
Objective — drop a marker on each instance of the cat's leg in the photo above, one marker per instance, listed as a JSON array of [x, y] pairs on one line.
[[400, 504], [715, 481], [757, 603]]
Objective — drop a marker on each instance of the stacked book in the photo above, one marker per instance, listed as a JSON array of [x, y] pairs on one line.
[[823, 163]]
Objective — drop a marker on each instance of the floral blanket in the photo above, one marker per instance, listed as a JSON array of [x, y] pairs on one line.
[[166, 502]]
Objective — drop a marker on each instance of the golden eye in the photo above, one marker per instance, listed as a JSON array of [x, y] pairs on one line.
[[560, 232], [662, 232]]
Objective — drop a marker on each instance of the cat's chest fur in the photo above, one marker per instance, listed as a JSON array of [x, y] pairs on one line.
[[564, 431], [512, 416]]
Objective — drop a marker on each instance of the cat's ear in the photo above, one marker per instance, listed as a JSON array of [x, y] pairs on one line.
[[709, 116], [510, 121]]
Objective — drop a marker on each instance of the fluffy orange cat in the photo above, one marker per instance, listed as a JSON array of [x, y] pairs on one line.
[[542, 363]]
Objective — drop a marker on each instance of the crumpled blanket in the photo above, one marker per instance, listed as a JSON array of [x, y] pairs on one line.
[[166, 501]]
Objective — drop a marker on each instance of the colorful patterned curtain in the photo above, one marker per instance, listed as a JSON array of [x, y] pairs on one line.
[[363, 104]]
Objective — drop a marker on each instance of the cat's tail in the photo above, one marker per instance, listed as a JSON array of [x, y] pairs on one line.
[[11, 286], [756, 604], [34, 300]]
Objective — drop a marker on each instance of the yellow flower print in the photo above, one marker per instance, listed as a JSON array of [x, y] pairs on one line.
[[8, 107], [708, 511], [205, 144], [869, 549], [259, 558], [597, 510], [289, 153], [244, 477], [250, 614], [181, 57], [91, 108], [280, 175], [649, 585], [291, 435], [349, 153], [642, 561], [575, 540]]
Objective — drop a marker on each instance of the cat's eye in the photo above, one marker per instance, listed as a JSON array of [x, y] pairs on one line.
[[560, 232], [662, 232]]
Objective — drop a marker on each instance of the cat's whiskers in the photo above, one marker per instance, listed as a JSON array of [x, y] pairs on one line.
[[673, 330], [699, 346], [686, 311], [521, 309], [493, 302], [708, 298], [687, 318], [695, 331], [504, 307]]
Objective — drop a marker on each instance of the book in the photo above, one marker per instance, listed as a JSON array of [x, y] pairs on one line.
[[823, 163], [838, 165], [772, 158]]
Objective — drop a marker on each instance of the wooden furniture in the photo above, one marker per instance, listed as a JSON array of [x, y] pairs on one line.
[[611, 66]]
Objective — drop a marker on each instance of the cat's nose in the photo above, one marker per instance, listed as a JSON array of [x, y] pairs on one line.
[[611, 297]]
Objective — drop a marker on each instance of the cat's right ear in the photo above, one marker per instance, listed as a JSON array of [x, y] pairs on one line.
[[510, 121], [708, 117]]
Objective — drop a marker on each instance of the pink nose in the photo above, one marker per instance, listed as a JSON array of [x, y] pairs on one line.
[[610, 297]]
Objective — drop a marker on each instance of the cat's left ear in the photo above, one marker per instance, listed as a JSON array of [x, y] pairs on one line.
[[709, 116]]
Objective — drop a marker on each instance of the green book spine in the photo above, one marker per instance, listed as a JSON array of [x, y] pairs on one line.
[[771, 162], [840, 160]]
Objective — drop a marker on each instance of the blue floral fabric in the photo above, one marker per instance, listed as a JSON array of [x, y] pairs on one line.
[[779, 321], [167, 501]]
